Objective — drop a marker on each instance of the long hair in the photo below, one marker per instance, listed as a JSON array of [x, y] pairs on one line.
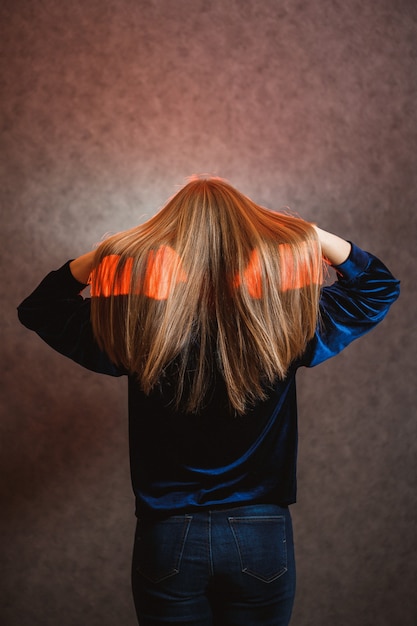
[[212, 283]]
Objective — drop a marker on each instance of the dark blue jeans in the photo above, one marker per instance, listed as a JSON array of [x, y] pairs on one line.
[[229, 567]]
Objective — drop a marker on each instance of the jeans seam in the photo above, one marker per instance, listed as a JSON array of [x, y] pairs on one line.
[[187, 523], [211, 566]]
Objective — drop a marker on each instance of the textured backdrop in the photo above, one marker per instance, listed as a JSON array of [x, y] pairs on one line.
[[107, 106]]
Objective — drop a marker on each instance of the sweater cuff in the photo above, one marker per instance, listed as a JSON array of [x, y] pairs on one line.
[[355, 264], [65, 276]]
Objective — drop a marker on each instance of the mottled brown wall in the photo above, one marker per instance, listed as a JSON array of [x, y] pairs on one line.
[[107, 105]]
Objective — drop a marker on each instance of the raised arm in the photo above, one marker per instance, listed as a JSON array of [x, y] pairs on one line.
[[58, 313], [353, 305]]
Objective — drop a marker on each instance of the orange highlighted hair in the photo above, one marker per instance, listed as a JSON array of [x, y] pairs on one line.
[[160, 276], [164, 270], [291, 277]]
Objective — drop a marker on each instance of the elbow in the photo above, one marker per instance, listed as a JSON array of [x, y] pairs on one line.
[[24, 316]]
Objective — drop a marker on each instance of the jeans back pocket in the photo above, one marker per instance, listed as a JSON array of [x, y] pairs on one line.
[[262, 545], [159, 547]]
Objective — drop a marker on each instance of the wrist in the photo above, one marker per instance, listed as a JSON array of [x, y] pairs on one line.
[[335, 249], [82, 266]]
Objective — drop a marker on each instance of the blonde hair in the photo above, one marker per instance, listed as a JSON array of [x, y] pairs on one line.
[[212, 283]]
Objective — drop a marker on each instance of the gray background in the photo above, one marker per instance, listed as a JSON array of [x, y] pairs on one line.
[[107, 106]]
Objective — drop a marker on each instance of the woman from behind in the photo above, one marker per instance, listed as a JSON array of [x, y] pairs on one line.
[[209, 308]]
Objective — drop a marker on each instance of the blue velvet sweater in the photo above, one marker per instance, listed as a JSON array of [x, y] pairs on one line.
[[183, 462]]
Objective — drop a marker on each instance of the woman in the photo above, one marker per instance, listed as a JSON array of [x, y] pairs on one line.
[[209, 308]]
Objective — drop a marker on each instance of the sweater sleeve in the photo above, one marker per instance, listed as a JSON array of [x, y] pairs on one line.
[[352, 306], [57, 312]]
